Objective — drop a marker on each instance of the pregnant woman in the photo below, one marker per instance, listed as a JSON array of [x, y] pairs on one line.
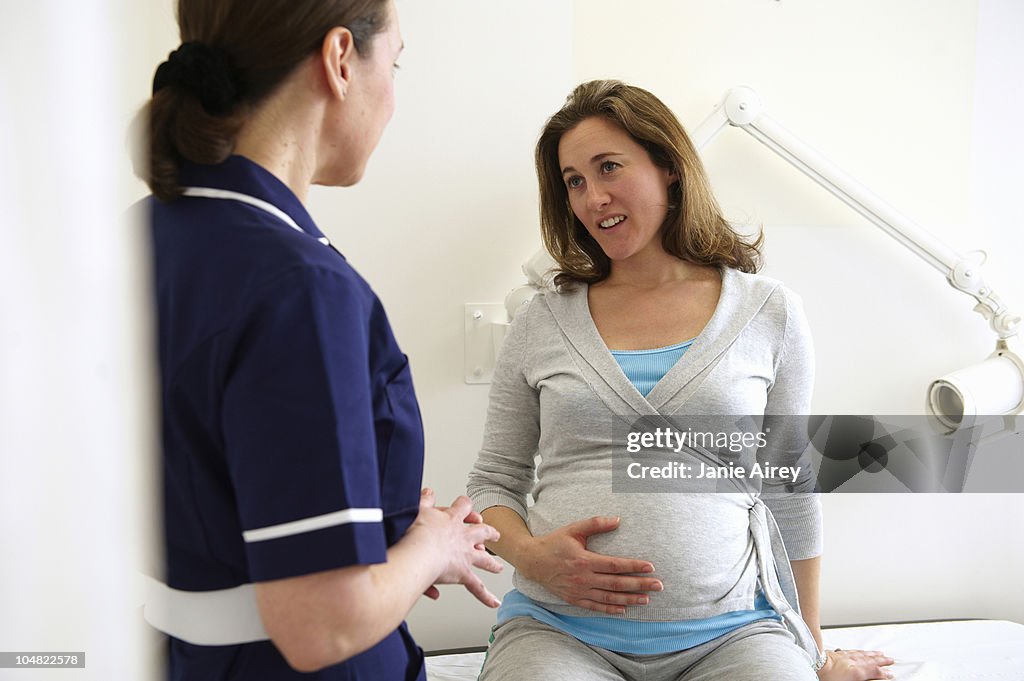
[[658, 314]]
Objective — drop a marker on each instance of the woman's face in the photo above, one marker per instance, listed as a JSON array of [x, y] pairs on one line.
[[370, 99], [614, 187]]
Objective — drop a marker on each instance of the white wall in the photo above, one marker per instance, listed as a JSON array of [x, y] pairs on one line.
[[75, 401], [903, 95], [997, 149]]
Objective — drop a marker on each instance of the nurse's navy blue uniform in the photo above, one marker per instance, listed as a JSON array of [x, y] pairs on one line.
[[292, 438]]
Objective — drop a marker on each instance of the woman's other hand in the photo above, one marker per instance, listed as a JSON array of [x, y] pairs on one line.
[[561, 562], [855, 665], [457, 534]]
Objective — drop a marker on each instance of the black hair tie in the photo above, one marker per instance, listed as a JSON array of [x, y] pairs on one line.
[[203, 71]]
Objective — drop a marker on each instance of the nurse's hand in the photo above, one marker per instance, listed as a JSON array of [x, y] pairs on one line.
[[561, 562], [855, 665], [323, 618], [457, 533]]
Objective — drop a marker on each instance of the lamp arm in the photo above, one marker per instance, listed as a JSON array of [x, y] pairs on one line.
[[709, 128], [742, 108]]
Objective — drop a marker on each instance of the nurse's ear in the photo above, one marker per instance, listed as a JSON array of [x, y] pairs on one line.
[[336, 54]]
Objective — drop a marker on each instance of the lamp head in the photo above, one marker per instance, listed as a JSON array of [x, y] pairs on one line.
[[991, 388]]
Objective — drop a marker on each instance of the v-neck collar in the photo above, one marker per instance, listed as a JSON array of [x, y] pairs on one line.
[[737, 303], [239, 174]]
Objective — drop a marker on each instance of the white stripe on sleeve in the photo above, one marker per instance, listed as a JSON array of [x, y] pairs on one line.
[[349, 515]]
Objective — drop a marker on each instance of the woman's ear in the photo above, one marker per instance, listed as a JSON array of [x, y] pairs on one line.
[[336, 54], [672, 178]]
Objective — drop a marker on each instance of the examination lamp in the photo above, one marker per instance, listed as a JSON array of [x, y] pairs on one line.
[[994, 386], [540, 274]]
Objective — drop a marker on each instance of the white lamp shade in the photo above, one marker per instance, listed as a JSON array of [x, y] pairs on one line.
[[993, 387]]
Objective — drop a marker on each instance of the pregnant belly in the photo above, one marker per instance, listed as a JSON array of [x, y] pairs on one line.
[[699, 543]]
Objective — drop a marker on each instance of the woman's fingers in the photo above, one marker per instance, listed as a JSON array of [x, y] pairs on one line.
[[426, 498], [598, 524], [486, 561], [856, 665], [623, 583], [866, 656], [618, 597], [616, 566], [476, 587], [481, 533], [599, 606], [876, 655], [613, 575], [461, 508]]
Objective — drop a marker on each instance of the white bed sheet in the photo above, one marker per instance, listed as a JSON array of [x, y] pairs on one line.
[[982, 650]]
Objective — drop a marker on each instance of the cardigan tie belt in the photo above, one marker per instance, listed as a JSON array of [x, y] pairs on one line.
[[777, 577]]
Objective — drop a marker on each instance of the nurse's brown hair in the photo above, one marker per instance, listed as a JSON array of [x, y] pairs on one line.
[[694, 229], [234, 54]]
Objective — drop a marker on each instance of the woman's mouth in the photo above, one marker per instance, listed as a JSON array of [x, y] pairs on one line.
[[608, 223]]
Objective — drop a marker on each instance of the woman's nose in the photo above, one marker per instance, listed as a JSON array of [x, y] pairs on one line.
[[597, 197]]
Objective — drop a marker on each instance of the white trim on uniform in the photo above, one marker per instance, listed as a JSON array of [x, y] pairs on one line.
[[224, 617], [349, 515], [230, 616], [210, 193]]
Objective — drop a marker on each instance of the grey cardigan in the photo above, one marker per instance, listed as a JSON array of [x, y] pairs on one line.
[[555, 394]]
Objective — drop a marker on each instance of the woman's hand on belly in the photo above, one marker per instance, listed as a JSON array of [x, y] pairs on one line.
[[560, 561]]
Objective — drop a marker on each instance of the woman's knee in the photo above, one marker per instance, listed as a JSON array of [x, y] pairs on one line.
[[763, 653], [524, 649]]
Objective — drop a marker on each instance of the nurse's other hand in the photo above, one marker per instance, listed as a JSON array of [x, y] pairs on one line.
[[561, 562], [457, 535], [855, 665]]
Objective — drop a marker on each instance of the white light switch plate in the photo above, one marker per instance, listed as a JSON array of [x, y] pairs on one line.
[[486, 324]]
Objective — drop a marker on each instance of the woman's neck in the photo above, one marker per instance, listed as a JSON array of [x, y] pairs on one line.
[[651, 270], [281, 135]]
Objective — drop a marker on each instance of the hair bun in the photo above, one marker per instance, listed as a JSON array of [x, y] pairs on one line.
[[203, 71]]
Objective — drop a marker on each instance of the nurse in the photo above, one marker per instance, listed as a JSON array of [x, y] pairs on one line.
[[297, 537]]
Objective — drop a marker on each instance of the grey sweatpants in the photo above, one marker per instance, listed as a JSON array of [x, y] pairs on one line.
[[526, 650]]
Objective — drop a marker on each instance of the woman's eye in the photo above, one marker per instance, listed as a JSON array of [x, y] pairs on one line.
[[574, 182], [609, 166]]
